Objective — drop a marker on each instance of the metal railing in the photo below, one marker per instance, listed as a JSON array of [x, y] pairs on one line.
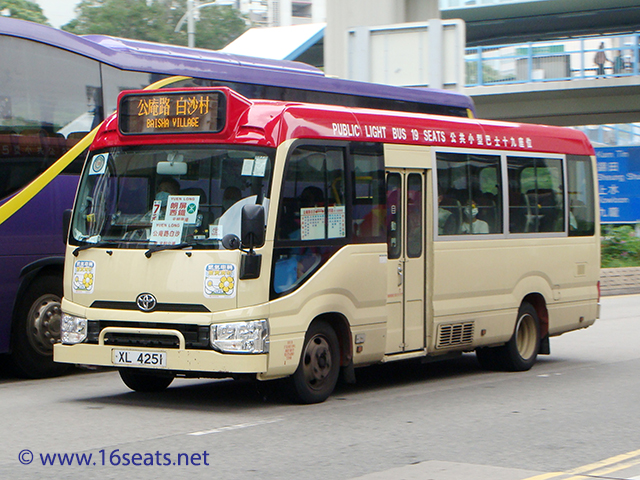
[[612, 134], [447, 4], [569, 59]]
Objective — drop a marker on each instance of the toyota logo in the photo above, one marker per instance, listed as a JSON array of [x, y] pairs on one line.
[[146, 302]]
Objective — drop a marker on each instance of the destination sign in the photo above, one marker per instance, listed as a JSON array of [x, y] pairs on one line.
[[172, 112]]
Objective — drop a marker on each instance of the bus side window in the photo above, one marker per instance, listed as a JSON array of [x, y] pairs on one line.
[[414, 215], [368, 206], [312, 215], [469, 194], [536, 202], [394, 215], [581, 197]]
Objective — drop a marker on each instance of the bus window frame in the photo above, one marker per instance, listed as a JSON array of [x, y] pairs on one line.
[[331, 244], [506, 233], [565, 193]]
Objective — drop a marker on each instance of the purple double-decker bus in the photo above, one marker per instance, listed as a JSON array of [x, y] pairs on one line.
[[55, 87]]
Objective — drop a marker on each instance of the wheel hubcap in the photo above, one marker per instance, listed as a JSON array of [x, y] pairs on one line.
[[526, 338], [43, 324], [317, 362]]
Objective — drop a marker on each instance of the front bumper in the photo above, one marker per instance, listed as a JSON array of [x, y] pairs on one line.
[[178, 360]]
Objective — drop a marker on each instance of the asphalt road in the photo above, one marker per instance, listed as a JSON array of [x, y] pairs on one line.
[[574, 415]]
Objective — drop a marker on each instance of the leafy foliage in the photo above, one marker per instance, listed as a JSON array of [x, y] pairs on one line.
[[24, 10], [156, 21], [620, 246]]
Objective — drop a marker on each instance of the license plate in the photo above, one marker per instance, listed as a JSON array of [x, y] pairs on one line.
[[139, 358]]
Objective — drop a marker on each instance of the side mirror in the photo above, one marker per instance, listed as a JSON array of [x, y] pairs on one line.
[[66, 221], [252, 226]]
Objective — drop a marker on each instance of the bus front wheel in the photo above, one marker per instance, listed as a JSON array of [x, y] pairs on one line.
[[144, 381], [37, 328], [317, 374]]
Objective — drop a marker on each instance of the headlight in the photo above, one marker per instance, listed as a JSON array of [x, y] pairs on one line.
[[241, 337], [73, 329]]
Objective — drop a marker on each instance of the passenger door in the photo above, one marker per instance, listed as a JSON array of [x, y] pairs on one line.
[[406, 255]]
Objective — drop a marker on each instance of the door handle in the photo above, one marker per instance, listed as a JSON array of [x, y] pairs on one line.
[[400, 275]]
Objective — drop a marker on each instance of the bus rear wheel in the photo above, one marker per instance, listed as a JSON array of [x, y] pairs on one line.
[[144, 381], [520, 352], [317, 374], [37, 328]]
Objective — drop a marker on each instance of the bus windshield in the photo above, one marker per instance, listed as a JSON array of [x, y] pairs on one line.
[[136, 197]]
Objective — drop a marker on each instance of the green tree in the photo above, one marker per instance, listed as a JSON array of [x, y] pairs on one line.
[[156, 21], [24, 10]]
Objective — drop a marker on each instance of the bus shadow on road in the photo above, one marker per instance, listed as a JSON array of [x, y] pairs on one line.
[[410, 372], [228, 394], [200, 394], [234, 394]]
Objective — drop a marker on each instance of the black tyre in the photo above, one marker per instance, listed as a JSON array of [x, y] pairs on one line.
[[520, 352], [141, 380], [36, 328], [317, 374]]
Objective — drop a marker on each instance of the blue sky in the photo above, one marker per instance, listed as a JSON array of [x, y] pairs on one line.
[[58, 12]]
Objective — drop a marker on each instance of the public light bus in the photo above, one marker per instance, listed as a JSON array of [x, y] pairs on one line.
[[217, 236], [55, 88]]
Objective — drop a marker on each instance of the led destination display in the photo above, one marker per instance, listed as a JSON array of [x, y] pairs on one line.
[[172, 112]]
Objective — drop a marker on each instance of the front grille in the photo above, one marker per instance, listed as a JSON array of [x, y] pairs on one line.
[[161, 307], [455, 334], [196, 336]]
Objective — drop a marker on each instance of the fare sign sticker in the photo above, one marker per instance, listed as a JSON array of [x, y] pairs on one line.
[[166, 233], [182, 208]]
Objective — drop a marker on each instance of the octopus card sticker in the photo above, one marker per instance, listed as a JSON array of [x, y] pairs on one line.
[[98, 164], [220, 280], [84, 272]]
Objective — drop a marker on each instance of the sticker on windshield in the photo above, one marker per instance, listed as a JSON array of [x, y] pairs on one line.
[[84, 275], [166, 233], [182, 208], [247, 167], [98, 164], [312, 223], [255, 167], [220, 280], [156, 210], [216, 232], [336, 223], [260, 166]]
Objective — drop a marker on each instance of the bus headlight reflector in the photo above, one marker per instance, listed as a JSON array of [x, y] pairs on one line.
[[241, 337], [73, 329]]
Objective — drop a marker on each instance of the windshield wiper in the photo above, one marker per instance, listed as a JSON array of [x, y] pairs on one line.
[[159, 248], [92, 245]]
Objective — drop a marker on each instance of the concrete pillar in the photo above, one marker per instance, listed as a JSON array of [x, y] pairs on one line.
[[318, 11], [345, 14], [422, 10], [285, 13]]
